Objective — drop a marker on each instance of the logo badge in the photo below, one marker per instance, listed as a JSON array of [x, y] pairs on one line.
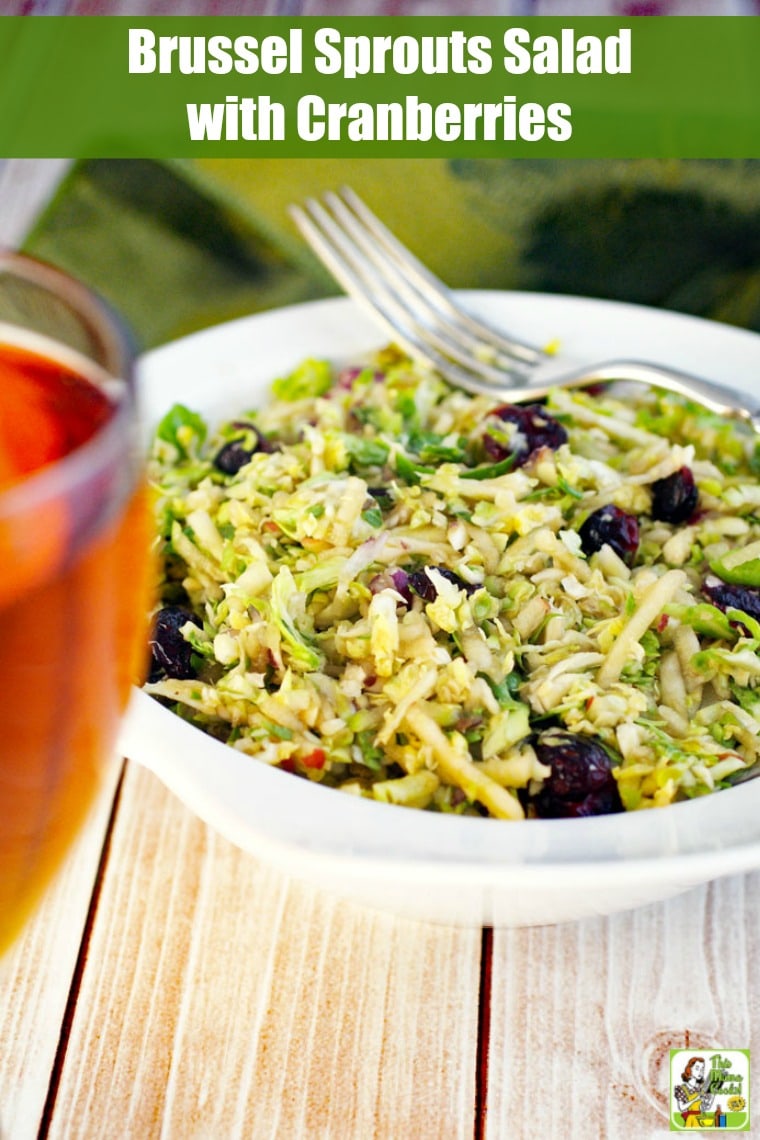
[[709, 1090]]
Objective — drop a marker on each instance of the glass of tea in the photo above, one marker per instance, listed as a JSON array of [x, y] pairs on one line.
[[75, 570]]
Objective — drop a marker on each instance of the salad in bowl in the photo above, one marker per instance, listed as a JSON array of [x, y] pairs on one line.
[[386, 591]]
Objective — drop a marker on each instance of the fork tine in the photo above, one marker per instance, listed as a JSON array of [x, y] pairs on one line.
[[361, 265], [448, 332], [402, 301], [347, 264], [430, 287], [335, 250], [368, 282]]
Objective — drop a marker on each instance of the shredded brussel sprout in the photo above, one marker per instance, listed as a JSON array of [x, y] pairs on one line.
[[395, 588]]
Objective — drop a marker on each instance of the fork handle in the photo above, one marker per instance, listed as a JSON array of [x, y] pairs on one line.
[[722, 400]]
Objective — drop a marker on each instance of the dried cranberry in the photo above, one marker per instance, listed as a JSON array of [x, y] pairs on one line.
[[424, 586], [383, 496], [347, 376], [731, 597], [581, 781], [611, 526], [675, 498], [397, 580], [401, 583], [235, 454], [535, 428], [171, 655]]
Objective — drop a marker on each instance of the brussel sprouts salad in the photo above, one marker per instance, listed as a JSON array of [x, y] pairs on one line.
[[408, 593]]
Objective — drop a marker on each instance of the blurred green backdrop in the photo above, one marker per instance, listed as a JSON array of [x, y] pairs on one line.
[[178, 246]]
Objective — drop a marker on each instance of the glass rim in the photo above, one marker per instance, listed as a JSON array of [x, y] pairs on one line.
[[114, 340]]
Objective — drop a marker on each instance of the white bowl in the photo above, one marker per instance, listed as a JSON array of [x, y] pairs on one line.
[[459, 870]]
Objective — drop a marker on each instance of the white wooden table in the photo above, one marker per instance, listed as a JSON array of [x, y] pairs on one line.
[[172, 986]]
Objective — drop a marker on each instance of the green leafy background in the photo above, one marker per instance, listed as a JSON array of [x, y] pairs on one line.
[[177, 246]]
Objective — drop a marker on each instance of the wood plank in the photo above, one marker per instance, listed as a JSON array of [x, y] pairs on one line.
[[36, 977], [222, 999], [583, 1015]]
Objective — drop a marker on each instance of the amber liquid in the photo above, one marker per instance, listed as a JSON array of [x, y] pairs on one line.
[[74, 581]]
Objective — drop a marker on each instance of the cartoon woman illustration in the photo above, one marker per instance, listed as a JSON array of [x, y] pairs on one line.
[[693, 1096]]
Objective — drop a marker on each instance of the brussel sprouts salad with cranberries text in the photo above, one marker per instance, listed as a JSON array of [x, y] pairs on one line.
[[384, 584]]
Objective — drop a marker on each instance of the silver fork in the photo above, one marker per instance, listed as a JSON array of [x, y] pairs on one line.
[[421, 314]]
